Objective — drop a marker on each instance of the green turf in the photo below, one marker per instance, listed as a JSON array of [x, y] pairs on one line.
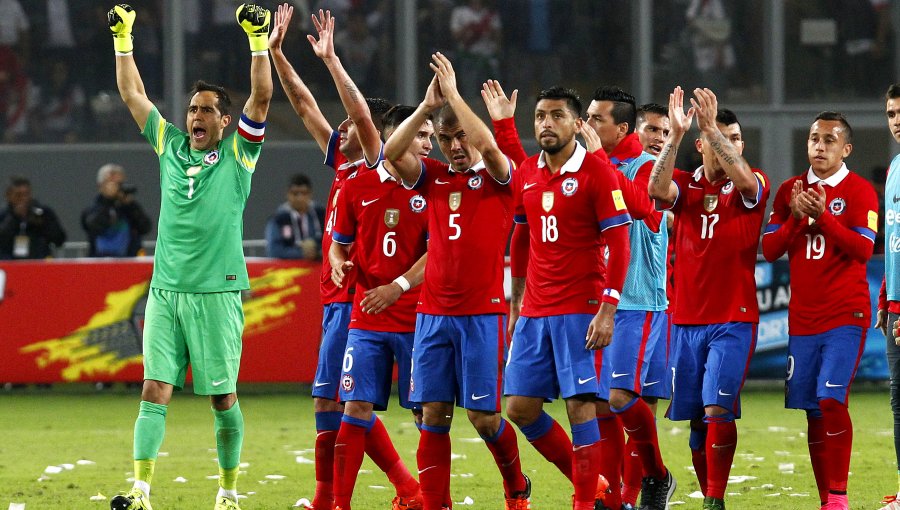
[[40, 428]]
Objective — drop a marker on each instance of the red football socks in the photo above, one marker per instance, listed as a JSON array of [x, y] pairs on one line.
[[721, 442]]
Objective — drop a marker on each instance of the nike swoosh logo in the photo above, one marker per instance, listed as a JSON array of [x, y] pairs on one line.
[[367, 202], [218, 383], [479, 397], [582, 381], [829, 385], [616, 376], [722, 445], [829, 434], [178, 153], [577, 447], [423, 470], [634, 454], [340, 444], [721, 393], [438, 181], [319, 384], [631, 430], [650, 383], [530, 184], [694, 187]]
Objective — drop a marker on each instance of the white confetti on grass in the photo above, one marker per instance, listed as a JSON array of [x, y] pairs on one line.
[[300, 459], [740, 478], [457, 456], [275, 477], [302, 502], [778, 429], [53, 470], [696, 495], [378, 487], [466, 501], [470, 440], [98, 497], [17, 506], [85, 462], [180, 479]]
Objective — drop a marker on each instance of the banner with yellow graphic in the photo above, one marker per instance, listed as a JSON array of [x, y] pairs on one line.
[[82, 320]]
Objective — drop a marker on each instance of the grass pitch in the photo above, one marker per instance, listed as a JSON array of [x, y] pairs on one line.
[[86, 436]]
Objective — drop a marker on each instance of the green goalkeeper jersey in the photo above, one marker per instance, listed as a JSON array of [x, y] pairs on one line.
[[203, 195]]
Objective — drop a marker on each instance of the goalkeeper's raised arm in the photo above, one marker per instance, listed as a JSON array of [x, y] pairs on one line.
[[255, 21], [131, 87]]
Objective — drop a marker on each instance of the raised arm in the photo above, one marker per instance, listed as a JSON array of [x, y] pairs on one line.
[[255, 21], [128, 79], [477, 132], [660, 185], [296, 91], [353, 101], [735, 166], [502, 110], [395, 149]]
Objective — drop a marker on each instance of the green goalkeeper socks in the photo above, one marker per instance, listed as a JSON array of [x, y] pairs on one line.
[[149, 430], [229, 438]]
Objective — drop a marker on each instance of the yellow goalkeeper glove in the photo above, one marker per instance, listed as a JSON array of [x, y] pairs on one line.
[[255, 22], [121, 20]]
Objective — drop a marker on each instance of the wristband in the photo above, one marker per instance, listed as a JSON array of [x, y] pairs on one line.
[[259, 43], [611, 296], [123, 44], [403, 283]]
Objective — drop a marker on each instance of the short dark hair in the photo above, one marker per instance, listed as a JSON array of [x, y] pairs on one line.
[[397, 114], [446, 116], [727, 117], [223, 101], [300, 180], [377, 108], [839, 117], [656, 108], [893, 92], [623, 104], [573, 102], [16, 181]]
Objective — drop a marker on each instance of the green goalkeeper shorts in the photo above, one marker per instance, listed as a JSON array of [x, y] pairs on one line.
[[203, 330]]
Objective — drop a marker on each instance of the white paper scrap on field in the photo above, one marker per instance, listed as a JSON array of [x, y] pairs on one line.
[[799, 494], [786, 466], [43, 478], [767, 486], [740, 478], [212, 477], [67, 467], [470, 440], [455, 456], [53, 470], [180, 479], [778, 429], [244, 465], [696, 495], [275, 477], [679, 502], [164, 454], [17, 506], [302, 502], [466, 475], [466, 501], [300, 459], [98, 497], [773, 494], [85, 462]]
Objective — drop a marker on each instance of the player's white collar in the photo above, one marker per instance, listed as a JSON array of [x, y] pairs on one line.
[[833, 180], [353, 164], [574, 162], [383, 173], [477, 167]]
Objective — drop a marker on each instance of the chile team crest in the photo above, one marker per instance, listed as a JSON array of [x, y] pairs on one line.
[[728, 187], [211, 157], [475, 182], [417, 203], [837, 206], [569, 186]]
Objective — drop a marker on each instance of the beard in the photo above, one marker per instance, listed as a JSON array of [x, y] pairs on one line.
[[554, 146]]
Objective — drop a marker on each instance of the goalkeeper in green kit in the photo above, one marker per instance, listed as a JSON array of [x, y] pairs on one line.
[[194, 312]]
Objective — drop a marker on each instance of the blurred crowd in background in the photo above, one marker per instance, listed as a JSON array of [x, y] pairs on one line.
[[57, 71]]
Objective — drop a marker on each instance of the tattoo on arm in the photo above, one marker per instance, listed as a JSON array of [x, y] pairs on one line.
[[668, 151], [724, 151], [351, 88]]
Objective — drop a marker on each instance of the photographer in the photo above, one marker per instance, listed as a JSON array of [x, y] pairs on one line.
[[115, 222], [27, 228]]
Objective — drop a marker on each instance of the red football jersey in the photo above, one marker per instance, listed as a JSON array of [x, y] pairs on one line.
[[566, 212], [828, 257], [469, 219], [343, 169], [715, 249], [387, 225]]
